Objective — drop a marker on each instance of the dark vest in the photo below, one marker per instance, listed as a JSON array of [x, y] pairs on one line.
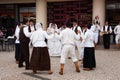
[[107, 28], [22, 36]]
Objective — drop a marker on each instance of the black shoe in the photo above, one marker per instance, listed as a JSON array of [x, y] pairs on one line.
[[69, 57], [27, 68], [20, 66]]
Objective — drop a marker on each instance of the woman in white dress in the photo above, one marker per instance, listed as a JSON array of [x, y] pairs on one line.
[[54, 45]]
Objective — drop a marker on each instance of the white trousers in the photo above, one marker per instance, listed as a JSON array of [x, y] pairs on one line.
[[80, 49], [68, 49], [117, 39], [96, 37]]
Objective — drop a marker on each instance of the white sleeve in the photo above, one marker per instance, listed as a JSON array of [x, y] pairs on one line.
[[17, 33], [48, 31], [48, 36], [59, 36], [77, 36], [84, 39], [115, 30], [92, 28], [110, 29], [26, 32], [98, 26], [82, 35], [79, 28]]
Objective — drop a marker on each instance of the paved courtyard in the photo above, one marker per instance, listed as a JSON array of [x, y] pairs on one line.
[[108, 68]]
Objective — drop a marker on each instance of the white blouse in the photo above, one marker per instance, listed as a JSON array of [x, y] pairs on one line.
[[117, 30], [38, 38], [88, 39]]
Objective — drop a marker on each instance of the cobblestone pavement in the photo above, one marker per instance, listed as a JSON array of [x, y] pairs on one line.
[[108, 68]]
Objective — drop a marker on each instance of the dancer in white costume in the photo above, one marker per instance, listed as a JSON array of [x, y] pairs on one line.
[[54, 45], [76, 28], [95, 28], [117, 32], [68, 37]]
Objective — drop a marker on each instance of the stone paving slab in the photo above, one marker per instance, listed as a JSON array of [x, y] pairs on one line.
[[107, 61]]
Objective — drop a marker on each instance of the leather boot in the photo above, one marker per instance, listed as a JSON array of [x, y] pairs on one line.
[[61, 69], [50, 72], [34, 71], [77, 67]]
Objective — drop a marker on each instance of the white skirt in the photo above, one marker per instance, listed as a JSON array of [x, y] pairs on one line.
[[54, 47]]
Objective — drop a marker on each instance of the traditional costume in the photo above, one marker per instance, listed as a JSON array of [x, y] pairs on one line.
[[17, 44], [117, 32], [89, 52], [54, 45], [68, 38], [78, 42], [24, 46], [106, 30], [95, 28], [40, 59]]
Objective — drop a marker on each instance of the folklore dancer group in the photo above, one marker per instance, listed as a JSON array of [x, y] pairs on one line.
[[60, 42]]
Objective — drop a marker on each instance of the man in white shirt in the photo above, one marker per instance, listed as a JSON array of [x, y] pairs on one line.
[[68, 38], [32, 26], [17, 42], [76, 28], [95, 28], [24, 44], [117, 32], [106, 30]]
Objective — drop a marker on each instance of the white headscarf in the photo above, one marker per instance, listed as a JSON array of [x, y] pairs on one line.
[[38, 26], [50, 29], [50, 26], [34, 37]]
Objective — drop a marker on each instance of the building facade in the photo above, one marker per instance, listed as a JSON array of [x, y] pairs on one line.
[[59, 11]]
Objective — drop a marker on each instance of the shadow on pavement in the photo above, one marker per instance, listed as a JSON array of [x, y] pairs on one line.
[[36, 76]]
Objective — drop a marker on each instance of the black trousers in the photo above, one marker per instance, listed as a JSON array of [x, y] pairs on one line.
[[106, 41], [17, 51], [24, 54]]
